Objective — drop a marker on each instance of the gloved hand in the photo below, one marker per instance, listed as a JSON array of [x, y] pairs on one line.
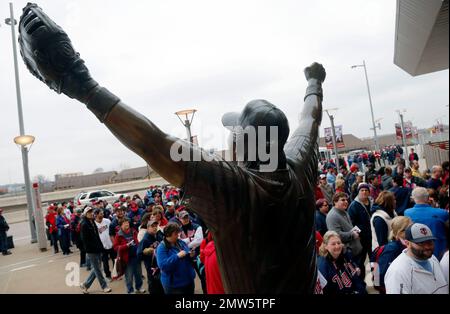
[[49, 55], [315, 71]]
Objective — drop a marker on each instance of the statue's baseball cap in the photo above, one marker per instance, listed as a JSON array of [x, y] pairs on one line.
[[418, 233], [258, 113]]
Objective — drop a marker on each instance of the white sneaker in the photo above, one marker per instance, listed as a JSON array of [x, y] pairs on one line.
[[83, 288], [107, 290], [142, 290]]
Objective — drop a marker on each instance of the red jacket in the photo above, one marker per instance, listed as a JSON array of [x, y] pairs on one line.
[[318, 193], [120, 245], [212, 273], [50, 218], [319, 240]]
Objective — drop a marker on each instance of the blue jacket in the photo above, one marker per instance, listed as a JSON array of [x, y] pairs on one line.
[[402, 198], [135, 218], [60, 223], [175, 272], [321, 223], [435, 219], [341, 275], [390, 252], [149, 241], [360, 217]]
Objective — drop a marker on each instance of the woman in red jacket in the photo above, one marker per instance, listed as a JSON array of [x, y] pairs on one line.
[[50, 221], [209, 259], [125, 244]]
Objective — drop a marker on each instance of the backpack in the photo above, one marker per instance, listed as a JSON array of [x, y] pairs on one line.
[[374, 268]]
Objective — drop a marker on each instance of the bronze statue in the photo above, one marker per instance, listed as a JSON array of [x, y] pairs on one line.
[[262, 221]]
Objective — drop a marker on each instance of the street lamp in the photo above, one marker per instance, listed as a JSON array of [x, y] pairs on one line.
[[370, 102], [333, 132], [22, 140], [187, 122], [405, 152]]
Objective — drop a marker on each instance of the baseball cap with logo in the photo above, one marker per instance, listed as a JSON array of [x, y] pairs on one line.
[[418, 233]]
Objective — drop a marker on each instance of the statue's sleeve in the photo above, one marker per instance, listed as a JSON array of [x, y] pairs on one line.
[[214, 189], [302, 147]]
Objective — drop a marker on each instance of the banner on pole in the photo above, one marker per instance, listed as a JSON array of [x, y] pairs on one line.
[[339, 137], [398, 131], [408, 130]]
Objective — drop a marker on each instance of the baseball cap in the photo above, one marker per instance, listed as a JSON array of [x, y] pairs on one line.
[[183, 214], [360, 174], [87, 209], [258, 113], [418, 233], [170, 204], [323, 176]]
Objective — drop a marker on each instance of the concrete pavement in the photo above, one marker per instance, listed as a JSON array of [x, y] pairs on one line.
[[30, 271]]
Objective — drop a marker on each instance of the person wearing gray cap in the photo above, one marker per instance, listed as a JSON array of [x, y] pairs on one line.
[[416, 270], [146, 251]]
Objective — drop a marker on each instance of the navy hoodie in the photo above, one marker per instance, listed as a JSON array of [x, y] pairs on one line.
[[341, 275]]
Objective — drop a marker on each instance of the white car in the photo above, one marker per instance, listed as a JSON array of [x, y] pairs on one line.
[[84, 198]]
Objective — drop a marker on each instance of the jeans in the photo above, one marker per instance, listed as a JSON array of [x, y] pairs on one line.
[[154, 283], [3, 241], [133, 269], [189, 289], [65, 241], [106, 255], [82, 258], [54, 240], [96, 271]]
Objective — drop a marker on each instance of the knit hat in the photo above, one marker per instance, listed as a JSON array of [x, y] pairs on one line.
[[363, 186]]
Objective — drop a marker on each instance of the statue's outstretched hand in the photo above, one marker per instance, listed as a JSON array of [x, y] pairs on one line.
[[50, 56], [315, 71]]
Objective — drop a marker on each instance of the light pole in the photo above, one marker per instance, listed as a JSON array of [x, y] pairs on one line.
[[405, 152], [333, 132], [187, 122], [370, 102], [22, 140]]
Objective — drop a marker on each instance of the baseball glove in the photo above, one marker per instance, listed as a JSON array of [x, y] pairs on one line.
[[49, 55]]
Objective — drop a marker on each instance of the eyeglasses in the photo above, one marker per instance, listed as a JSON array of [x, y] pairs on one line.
[[343, 200]]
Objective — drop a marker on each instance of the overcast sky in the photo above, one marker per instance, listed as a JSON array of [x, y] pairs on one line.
[[215, 56]]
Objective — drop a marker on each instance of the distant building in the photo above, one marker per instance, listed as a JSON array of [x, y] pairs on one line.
[[139, 173], [74, 182]]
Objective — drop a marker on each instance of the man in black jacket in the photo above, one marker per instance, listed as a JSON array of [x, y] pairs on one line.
[[94, 248], [3, 238]]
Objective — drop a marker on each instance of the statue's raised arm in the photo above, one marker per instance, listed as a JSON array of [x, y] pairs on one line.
[[49, 55]]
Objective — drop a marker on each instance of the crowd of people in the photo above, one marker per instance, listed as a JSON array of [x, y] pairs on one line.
[[157, 232], [394, 218]]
